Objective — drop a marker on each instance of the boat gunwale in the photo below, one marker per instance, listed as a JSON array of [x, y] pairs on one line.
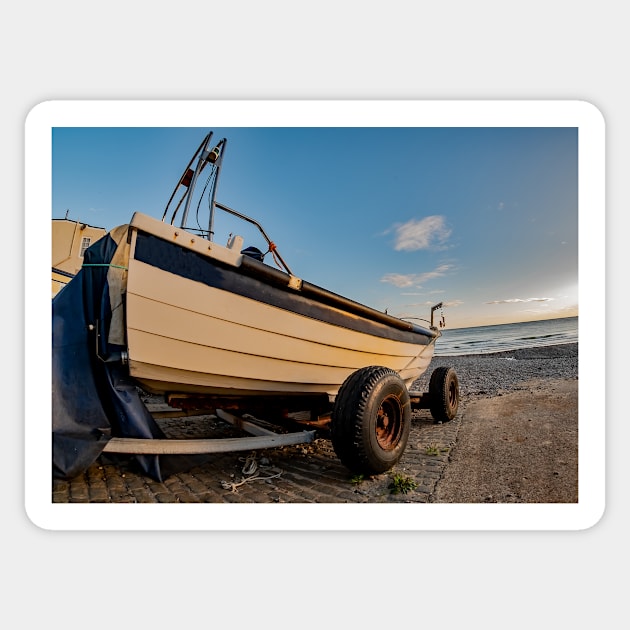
[[257, 269]]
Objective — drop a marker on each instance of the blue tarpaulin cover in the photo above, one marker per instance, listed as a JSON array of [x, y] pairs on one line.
[[93, 397]]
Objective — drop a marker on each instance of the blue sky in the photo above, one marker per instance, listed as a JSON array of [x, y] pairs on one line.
[[484, 219]]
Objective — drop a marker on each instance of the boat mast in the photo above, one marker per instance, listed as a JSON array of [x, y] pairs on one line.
[[185, 180], [189, 179]]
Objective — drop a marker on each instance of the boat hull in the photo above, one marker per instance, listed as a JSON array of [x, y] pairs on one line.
[[205, 320]]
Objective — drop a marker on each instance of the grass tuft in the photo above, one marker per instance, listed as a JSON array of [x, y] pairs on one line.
[[401, 484]]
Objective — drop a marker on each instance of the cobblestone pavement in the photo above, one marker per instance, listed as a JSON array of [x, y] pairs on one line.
[[307, 473]]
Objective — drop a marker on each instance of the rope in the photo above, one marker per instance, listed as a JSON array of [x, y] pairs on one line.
[[251, 465], [272, 250], [249, 468], [230, 485]]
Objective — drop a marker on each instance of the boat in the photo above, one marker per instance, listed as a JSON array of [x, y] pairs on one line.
[[159, 307]]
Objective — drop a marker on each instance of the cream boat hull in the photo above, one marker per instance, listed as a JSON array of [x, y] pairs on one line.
[[207, 327]]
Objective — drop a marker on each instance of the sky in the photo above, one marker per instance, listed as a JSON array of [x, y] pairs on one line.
[[482, 219]]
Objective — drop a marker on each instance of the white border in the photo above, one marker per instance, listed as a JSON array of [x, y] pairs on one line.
[[308, 517]]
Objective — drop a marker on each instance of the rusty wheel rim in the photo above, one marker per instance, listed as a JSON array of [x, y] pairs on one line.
[[389, 423]]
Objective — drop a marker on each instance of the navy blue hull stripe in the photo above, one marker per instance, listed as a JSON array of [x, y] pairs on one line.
[[262, 283]]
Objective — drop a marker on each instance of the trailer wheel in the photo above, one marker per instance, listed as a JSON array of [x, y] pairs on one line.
[[444, 394], [371, 420]]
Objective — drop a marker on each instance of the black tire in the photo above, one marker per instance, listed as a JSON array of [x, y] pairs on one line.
[[444, 394], [371, 420]]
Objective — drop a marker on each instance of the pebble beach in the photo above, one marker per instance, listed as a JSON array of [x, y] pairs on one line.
[[496, 373]]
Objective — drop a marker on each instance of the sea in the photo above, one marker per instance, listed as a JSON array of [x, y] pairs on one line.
[[500, 337]]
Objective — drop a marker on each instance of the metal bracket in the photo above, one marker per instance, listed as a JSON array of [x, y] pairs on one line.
[[295, 283]]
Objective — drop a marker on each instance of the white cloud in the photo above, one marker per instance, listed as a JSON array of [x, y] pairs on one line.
[[518, 300], [399, 280], [415, 279], [430, 232]]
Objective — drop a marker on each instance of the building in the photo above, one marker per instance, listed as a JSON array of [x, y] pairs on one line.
[[70, 239]]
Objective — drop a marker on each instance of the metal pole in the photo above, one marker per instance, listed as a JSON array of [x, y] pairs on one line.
[[221, 144], [181, 179], [260, 228], [200, 164]]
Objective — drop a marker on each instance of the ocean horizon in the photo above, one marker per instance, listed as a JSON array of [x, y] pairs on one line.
[[501, 337]]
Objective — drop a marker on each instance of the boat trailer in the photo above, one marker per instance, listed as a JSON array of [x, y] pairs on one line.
[[261, 435]]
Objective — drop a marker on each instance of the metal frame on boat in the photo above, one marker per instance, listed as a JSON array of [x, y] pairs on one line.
[[215, 329]]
